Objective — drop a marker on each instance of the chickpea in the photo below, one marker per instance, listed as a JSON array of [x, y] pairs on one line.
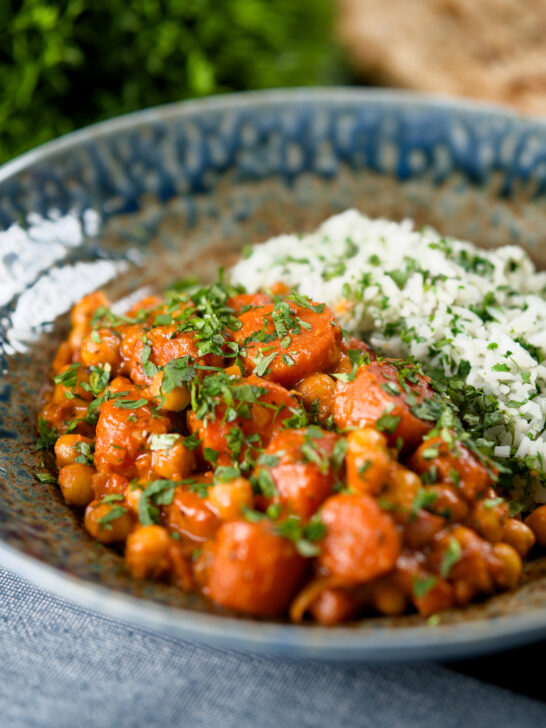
[[62, 359], [233, 371], [401, 488], [147, 552], [67, 450], [110, 530], [229, 498], [132, 497], [368, 460], [489, 522], [76, 482], [144, 468], [537, 523], [448, 502], [174, 463], [174, 401], [318, 388], [509, 573], [64, 395], [464, 592], [101, 347], [344, 365], [77, 335], [519, 536], [108, 484], [279, 289], [389, 599], [83, 311]]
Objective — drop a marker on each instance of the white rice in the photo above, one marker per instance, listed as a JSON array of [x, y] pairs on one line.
[[346, 262]]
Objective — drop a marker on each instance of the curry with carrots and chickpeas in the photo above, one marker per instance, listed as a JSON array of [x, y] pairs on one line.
[[246, 447]]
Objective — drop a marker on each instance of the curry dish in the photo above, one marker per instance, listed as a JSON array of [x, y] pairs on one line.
[[245, 446]]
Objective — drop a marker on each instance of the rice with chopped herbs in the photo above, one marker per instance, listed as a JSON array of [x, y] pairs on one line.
[[475, 318]]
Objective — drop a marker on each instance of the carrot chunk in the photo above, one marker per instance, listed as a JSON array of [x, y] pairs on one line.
[[378, 397], [254, 570], [361, 542], [285, 342]]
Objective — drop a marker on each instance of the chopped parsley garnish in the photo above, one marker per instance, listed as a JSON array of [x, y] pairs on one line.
[[47, 435], [164, 442], [98, 379], [338, 453], [85, 450], [422, 500], [305, 302], [46, 478], [157, 493], [388, 423], [225, 473], [261, 363], [149, 367], [422, 585], [451, 556], [68, 378], [312, 452], [115, 512], [130, 403]]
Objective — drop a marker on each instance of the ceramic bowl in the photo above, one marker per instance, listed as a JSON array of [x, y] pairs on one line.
[[142, 200]]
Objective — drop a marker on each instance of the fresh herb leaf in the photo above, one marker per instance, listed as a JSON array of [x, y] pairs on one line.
[[450, 557]]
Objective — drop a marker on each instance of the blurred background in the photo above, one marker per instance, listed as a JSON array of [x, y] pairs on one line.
[[67, 64]]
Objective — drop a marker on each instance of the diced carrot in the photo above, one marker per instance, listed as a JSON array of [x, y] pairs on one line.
[[376, 398], [254, 570], [361, 542], [303, 343], [191, 515], [304, 478], [123, 432]]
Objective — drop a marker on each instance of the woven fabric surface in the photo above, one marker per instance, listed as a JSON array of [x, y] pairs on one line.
[[62, 666]]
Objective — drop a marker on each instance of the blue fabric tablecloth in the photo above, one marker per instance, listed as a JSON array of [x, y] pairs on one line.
[[63, 667]]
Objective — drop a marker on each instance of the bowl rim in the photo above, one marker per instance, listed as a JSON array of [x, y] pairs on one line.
[[366, 644]]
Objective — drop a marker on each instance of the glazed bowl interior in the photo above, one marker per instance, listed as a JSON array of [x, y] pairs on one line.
[[133, 204]]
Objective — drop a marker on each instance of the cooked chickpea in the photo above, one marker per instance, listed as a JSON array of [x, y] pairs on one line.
[[103, 527], [62, 359], [76, 482], [175, 463], [229, 498], [279, 289], [74, 394], [368, 460], [318, 388], [101, 347], [77, 335], [344, 365], [402, 487], [67, 450], [537, 523], [147, 552], [519, 536], [233, 371], [448, 502], [507, 577], [175, 400], [83, 311], [489, 521], [132, 497], [389, 600]]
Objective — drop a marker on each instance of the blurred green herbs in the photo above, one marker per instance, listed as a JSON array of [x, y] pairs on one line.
[[67, 64]]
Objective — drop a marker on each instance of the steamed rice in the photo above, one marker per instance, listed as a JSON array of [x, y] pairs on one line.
[[445, 302]]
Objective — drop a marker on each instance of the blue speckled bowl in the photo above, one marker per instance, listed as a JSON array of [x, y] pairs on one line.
[[156, 195]]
